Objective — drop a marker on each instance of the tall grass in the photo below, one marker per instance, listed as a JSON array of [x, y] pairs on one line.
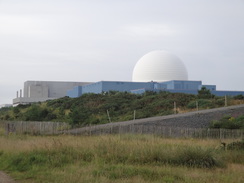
[[125, 158]]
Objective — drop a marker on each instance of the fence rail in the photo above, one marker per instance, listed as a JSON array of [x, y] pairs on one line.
[[52, 128]]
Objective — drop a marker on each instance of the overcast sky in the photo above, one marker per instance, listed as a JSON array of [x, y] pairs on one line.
[[93, 40]]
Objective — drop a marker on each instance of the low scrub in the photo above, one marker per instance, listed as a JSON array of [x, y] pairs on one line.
[[94, 108], [229, 122], [238, 145]]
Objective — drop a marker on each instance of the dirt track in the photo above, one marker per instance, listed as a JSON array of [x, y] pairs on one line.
[[4, 178]]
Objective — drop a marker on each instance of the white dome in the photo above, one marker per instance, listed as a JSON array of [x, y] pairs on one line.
[[159, 66]]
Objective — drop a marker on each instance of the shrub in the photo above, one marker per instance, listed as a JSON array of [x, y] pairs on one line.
[[192, 105], [239, 145], [202, 103], [198, 157], [239, 97], [228, 122], [220, 102], [205, 93]]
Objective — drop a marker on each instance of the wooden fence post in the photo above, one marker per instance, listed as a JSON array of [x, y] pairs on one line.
[[6, 128]]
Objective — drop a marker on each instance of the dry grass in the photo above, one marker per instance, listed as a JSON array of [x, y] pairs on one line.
[[236, 102], [24, 143], [113, 158]]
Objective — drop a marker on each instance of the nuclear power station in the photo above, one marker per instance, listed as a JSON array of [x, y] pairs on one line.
[[156, 71]]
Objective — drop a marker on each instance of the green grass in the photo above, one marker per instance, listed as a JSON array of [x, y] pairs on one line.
[[118, 158]]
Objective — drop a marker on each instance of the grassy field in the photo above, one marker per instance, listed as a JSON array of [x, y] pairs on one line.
[[118, 159]]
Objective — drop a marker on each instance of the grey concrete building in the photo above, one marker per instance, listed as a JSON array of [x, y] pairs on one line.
[[39, 91]]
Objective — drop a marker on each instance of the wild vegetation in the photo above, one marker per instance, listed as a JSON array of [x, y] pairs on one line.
[[120, 106], [229, 122], [119, 158]]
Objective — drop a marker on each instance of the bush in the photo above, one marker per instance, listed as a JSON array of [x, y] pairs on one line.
[[220, 102], [205, 93], [202, 103], [228, 122], [239, 97], [239, 145], [35, 113], [198, 157], [92, 108]]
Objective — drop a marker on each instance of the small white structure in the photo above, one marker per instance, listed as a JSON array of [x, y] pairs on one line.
[[39, 91], [159, 66]]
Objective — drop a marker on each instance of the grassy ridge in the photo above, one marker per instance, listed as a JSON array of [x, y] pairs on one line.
[[93, 108], [126, 158]]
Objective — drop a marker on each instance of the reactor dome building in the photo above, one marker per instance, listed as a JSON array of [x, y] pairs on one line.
[[156, 71], [159, 66]]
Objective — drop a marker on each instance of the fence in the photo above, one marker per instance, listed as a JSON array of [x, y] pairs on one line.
[[35, 128], [172, 132], [52, 128]]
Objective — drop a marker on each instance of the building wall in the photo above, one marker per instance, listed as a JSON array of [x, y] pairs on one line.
[[126, 86], [160, 86], [189, 87], [51, 89], [92, 88], [194, 92], [182, 85], [168, 84], [28, 100], [105, 86], [39, 91], [138, 91], [75, 92], [209, 87], [143, 90], [227, 93]]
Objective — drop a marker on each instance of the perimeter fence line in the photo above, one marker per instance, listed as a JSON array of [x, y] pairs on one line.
[[55, 128], [35, 127], [163, 131]]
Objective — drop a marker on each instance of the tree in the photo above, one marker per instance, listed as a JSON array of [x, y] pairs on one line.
[[79, 115], [204, 93], [239, 97], [35, 113]]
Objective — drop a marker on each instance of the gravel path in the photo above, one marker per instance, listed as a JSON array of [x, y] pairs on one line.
[[4, 178]]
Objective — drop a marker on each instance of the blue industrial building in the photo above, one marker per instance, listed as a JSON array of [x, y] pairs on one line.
[[156, 71], [105, 86], [174, 86]]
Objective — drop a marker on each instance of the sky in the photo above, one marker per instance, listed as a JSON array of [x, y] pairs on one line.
[[94, 40]]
